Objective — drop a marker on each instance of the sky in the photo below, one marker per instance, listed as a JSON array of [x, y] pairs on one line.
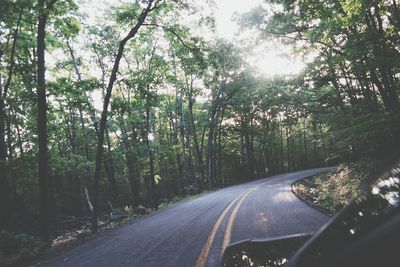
[[225, 26], [268, 59]]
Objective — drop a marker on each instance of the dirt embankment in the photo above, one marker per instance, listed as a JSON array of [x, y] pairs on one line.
[[330, 192]]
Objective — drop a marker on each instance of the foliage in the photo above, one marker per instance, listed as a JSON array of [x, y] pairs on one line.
[[333, 191], [351, 84], [19, 249]]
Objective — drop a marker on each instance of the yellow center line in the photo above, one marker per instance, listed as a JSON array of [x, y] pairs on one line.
[[231, 220], [202, 259]]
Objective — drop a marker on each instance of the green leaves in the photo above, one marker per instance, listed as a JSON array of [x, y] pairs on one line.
[[68, 27], [74, 93], [127, 13]]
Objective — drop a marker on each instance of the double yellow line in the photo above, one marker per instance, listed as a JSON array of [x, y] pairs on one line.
[[202, 259]]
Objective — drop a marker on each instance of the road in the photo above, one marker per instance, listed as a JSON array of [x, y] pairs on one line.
[[195, 232]]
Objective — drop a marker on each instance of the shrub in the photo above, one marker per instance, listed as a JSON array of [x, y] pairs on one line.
[[17, 249]]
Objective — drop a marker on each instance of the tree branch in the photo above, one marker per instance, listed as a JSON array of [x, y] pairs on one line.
[[168, 29]]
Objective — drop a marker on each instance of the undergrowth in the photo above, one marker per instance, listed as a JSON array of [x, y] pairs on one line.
[[332, 191]]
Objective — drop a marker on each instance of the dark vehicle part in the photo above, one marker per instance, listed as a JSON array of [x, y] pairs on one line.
[[362, 234], [263, 252], [365, 233]]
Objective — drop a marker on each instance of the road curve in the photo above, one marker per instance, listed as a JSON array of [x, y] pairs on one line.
[[195, 232]]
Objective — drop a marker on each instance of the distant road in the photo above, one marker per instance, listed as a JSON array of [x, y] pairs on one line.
[[195, 232]]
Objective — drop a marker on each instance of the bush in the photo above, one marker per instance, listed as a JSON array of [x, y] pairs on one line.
[[191, 189], [17, 249]]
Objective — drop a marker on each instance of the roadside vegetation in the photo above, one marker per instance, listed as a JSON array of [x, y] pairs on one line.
[[144, 104], [22, 249], [332, 191]]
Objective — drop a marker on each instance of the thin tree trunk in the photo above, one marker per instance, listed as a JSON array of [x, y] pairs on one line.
[[85, 139], [151, 160], [178, 109], [9, 136], [4, 182], [43, 159], [71, 130], [273, 159], [130, 163], [199, 156], [220, 173], [5, 210], [305, 145], [82, 121], [242, 157], [210, 152], [173, 130], [288, 148], [21, 149], [282, 155], [74, 62], [110, 164], [103, 120], [89, 203]]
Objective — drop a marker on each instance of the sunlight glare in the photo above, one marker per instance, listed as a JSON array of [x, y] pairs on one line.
[[267, 62], [272, 64], [225, 26]]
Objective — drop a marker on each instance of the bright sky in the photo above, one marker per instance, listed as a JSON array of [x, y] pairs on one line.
[[226, 27], [267, 59]]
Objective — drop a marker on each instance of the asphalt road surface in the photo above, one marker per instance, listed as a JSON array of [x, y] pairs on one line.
[[195, 232]]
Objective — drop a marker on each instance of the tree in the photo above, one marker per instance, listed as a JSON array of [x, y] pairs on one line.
[[43, 173], [44, 8], [151, 5], [4, 182], [223, 70], [355, 61]]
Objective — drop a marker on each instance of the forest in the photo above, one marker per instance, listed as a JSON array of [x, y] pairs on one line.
[[146, 104]]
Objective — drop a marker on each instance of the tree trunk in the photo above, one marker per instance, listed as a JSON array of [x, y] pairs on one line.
[[42, 122], [288, 149], [108, 160], [130, 162], [199, 156], [281, 146], [220, 173], [80, 107], [85, 139], [305, 145], [4, 182], [21, 149], [210, 152], [181, 127], [103, 120], [151, 160], [75, 187], [5, 210]]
